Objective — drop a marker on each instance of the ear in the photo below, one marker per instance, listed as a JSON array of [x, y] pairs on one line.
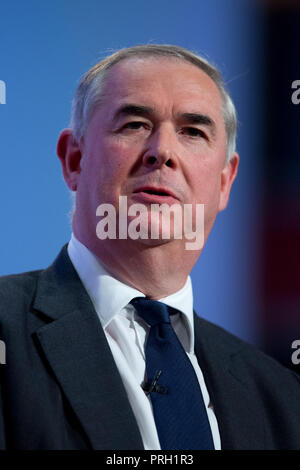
[[228, 175], [69, 153]]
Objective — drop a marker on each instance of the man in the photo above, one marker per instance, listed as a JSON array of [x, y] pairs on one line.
[[88, 363]]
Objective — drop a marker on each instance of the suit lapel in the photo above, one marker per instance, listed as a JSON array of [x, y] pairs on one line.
[[233, 397], [77, 350]]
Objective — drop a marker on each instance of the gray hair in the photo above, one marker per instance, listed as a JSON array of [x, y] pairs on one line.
[[89, 91]]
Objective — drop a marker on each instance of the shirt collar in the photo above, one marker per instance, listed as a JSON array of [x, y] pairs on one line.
[[109, 295]]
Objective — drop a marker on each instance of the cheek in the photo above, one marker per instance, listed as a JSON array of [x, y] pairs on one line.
[[101, 161], [206, 182], [118, 164], [104, 171], [116, 157]]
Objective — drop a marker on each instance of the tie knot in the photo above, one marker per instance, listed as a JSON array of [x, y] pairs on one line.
[[152, 311]]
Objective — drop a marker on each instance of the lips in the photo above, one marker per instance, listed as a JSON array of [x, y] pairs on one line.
[[154, 195], [155, 191]]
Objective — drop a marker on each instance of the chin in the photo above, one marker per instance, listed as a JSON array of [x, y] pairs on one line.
[[151, 243], [153, 229]]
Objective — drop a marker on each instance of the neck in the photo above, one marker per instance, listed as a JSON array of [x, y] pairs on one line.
[[157, 271]]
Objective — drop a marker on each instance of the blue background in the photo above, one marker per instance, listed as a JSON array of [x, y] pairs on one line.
[[45, 47]]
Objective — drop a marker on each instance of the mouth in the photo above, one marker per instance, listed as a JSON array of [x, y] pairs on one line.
[[155, 191], [160, 194]]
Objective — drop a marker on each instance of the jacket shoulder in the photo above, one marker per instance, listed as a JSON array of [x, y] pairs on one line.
[[244, 356], [16, 293]]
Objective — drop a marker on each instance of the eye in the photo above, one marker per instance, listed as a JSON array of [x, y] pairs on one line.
[[135, 125], [194, 132]]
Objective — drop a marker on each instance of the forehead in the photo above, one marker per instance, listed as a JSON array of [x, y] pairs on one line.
[[163, 83]]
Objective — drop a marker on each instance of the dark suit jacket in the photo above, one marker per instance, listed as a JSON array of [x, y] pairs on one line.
[[60, 387]]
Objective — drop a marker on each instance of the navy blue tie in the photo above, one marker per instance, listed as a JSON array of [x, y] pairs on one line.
[[178, 407]]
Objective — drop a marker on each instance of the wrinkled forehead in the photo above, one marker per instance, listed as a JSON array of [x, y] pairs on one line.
[[147, 76]]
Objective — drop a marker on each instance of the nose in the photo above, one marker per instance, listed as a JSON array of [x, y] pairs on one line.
[[162, 149]]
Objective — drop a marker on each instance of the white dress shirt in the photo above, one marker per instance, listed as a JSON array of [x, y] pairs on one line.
[[126, 334]]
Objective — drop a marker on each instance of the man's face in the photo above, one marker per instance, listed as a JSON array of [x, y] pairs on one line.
[[158, 136]]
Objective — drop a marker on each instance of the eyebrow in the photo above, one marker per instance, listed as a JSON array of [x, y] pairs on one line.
[[134, 109], [147, 111], [202, 119]]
